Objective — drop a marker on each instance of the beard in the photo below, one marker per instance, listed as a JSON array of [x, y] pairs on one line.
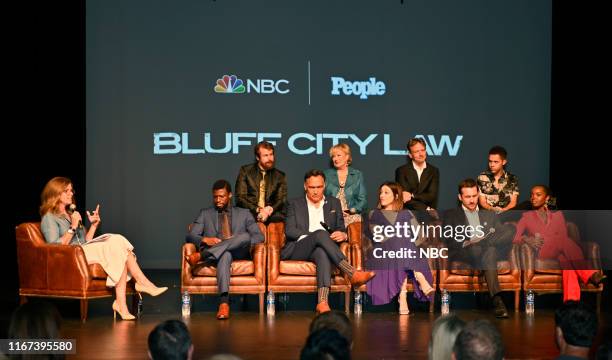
[[268, 165]]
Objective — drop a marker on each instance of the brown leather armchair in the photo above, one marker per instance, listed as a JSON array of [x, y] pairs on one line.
[[355, 242], [299, 276], [458, 276], [58, 271], [246, 277], [545, 276]]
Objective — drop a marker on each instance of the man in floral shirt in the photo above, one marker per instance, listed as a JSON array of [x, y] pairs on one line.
[[499, 189]]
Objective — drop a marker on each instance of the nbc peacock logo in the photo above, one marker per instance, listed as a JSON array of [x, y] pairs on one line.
[[229, 84]]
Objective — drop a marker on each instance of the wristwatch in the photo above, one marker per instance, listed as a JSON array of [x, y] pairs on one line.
[[71, 231]]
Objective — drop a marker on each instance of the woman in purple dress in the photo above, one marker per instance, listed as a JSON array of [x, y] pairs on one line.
[[389, 233]]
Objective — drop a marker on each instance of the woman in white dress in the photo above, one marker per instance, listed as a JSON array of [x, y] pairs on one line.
[[61, 224]]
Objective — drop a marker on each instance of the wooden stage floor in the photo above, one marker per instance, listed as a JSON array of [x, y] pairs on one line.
[[251, 336]]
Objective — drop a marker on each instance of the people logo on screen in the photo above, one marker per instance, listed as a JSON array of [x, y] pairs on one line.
[[363, 89]]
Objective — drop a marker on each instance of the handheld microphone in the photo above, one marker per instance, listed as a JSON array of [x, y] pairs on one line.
[[71, 209], [326, 227]]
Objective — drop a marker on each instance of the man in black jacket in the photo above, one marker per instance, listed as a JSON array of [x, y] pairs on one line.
[[262, 188], [419, 179]]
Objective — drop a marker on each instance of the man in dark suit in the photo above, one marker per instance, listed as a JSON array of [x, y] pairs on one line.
[[262, 188], [487, 239], [418, 178], [223, 233], [314, 225]]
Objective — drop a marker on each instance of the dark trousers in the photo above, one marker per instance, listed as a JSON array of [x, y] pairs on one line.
[[319, 248], [222, 254], [485, 254]]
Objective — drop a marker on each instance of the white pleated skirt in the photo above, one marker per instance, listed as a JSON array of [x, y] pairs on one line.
[[111, 254]]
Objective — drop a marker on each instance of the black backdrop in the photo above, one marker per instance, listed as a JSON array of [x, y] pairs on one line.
[[47, 111]]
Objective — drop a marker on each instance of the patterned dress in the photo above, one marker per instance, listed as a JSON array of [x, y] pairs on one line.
[[348, 218]]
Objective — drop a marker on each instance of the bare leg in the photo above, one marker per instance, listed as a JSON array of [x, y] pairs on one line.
[[120, 292], [423, 283], [403, 300], [136, 272]]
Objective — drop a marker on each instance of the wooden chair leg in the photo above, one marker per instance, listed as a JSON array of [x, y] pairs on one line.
[[261, 303], [517, 300], [83, 310], [135, 298], [347, 301], [23, 299], [431, 305]]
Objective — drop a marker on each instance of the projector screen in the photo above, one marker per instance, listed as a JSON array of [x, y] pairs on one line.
[[178, 94]]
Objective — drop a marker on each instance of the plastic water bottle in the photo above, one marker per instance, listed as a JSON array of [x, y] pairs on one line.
[[358, 308], [186, 301], [270, 304], [139, 308], [445, 306], [530, 302]]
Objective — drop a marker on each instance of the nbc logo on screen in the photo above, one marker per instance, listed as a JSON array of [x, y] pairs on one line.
[[231, 84]]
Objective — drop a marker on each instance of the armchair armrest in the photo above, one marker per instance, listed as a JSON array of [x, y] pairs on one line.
[[515, 259], [442, 264], [274, 243], [67, 268], [273, 262], [345, 249], [527, 261], [188, 249], [591, 252], [354, 232], [258, 254], [32, 265]]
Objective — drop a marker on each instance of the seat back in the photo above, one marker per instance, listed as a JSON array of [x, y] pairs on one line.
[[30, 232]]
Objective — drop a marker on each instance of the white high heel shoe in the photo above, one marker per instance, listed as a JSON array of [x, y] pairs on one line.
[[153, 291], [124, 316]]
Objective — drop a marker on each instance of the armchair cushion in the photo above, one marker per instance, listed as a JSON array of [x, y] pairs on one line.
[[239, 267], [465, 269]]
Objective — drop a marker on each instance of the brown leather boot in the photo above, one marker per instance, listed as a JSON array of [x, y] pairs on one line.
[[224, 311], [323, 307], [361, 277]]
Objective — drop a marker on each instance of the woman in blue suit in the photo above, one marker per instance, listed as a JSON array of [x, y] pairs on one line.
[[346, 183]]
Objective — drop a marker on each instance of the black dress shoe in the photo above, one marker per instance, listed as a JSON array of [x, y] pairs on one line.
[[500, 307]]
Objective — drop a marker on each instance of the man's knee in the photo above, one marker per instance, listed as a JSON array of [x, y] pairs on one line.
[[225, 259], [319, 256], [321, 235]]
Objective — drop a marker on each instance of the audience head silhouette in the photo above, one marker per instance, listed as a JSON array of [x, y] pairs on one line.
[[575, 328], [170, 340], [478, 340], [326, 344], [443, 335]]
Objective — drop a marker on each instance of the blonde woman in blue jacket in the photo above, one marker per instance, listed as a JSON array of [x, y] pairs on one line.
[[346, 183]]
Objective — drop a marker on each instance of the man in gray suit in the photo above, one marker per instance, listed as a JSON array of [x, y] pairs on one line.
[[314, 225], [223, 233], [489, 242]]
